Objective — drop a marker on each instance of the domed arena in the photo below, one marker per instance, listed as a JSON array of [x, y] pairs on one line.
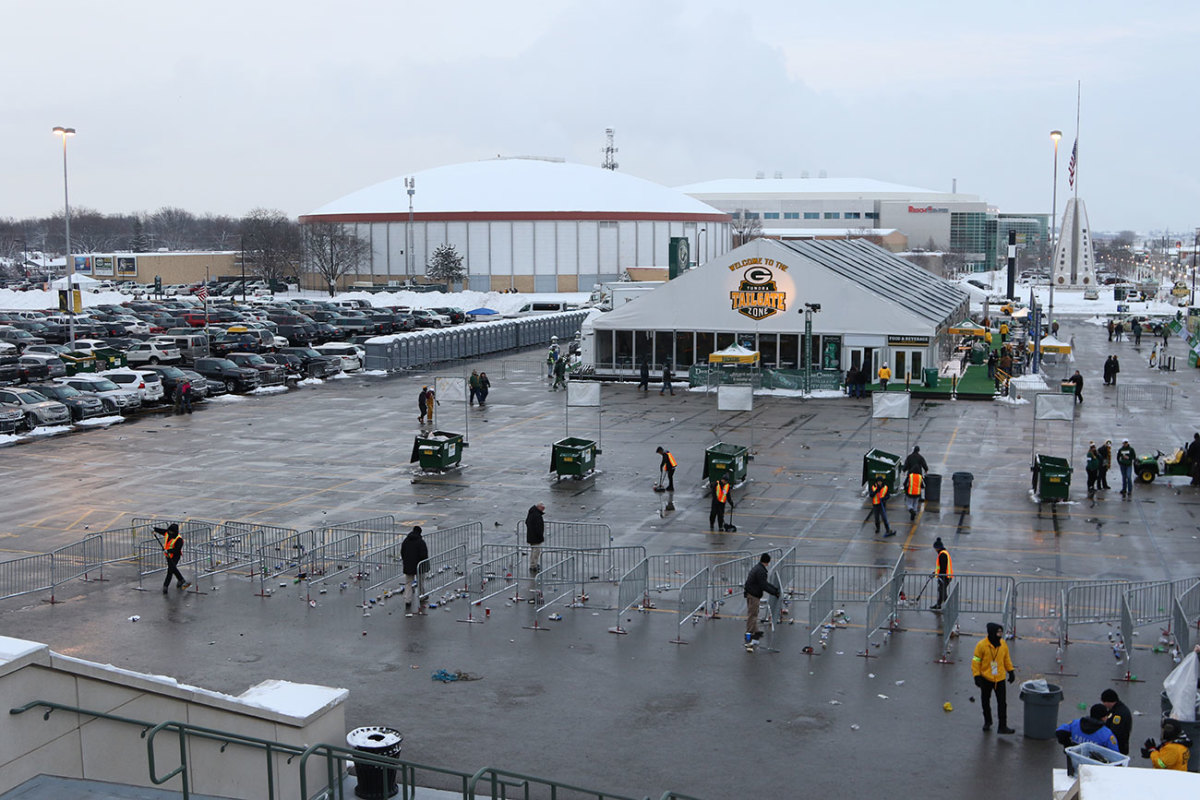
[[530, 224]]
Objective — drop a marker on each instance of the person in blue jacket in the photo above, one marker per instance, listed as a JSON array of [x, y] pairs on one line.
[[1087, 729]]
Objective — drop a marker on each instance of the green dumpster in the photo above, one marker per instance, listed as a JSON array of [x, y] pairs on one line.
[[879, 462], [438, 450], [724, 460], [78, 362], [1053, 478], [108, 358], [929, 377], [572, 456]]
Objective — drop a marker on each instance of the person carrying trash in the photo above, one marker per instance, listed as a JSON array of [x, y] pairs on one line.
[[757, 582], [989, 665], [667, 468], [1174, 751], [722, 493], [879, 493], [943, 570], [913, 484], [172, 543]]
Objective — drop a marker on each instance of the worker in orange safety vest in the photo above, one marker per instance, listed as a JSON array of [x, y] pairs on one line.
[[943, 569], [879, 493], [913, 485], [721, 494]]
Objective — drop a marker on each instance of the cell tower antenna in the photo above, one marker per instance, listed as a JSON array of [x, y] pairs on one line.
[[609, 151]]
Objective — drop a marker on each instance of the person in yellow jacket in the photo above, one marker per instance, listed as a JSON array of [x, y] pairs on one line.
[[1174, 751], [884, 375], [989, 666]]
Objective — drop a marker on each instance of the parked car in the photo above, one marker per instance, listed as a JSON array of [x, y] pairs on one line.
[[235, 378], [36, 408], [11, 418], [345, 351], [268, 374], [146, 382], [315, 364], [18, 337], [456, 315], [203, 387], [428, 319], [10, 370], [81, 404], [54, 365], [116, 400], [33, 369], [152, 352], [293, 367]]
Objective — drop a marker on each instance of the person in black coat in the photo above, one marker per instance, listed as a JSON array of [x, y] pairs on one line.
[[757, 582], [535, 534], [1077, 379], [666, 378], [1119, 719], [644, 383], [1193, 456], [413, 550]]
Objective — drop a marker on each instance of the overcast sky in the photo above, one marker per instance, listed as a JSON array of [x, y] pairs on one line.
[[221, 107]]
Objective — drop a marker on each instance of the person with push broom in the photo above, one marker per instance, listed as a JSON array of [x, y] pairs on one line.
[[173, 549], [666, 470], [721, 494]]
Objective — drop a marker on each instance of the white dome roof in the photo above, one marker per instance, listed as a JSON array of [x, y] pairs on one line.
[[519, 185]]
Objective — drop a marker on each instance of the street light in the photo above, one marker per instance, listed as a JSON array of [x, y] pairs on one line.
[[699, 249], [64, 133], [809, 308], [411, 185], [1055, 135]]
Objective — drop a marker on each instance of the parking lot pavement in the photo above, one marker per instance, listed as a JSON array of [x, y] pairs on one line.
[[633, 713]]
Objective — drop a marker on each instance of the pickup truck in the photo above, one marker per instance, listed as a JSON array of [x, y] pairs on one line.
[[235, 378]]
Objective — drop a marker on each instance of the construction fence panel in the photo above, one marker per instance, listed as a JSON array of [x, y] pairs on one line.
[[669, 571], [632, 589], [571, 535], [820, 607], [951, 613], [443, 572]]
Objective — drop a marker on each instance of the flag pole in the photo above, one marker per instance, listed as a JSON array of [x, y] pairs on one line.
[[1078, 97]]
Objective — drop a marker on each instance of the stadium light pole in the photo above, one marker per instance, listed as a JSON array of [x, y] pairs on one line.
[[1055, 135], [411, 185], [699, 249], [64, 133]]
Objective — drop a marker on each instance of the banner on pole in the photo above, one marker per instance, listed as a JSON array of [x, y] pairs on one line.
[[1054, 406], [889, 405], [451, 389], [735, 398], [583, 393]]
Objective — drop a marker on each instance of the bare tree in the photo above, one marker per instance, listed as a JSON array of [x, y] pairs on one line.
[[272, 243], [172, 228], [446, 265], [746, 226], [332, 250]]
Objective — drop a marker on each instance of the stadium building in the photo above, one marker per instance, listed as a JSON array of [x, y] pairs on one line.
[[531, 224]]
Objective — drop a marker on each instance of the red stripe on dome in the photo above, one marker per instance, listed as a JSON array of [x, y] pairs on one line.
[[515, 216]]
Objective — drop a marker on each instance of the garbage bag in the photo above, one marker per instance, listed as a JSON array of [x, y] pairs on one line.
[[1038, 686], [1180, 687]]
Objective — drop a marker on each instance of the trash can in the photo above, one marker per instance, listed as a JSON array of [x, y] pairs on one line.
[[933, 488], [1066, 387], [880, 462], [1192, 729], [724, 460], [375, 782], [1041, 708], [439, 450], [575, 457], [978, 353], [1053, 478], [962, 488], [929, 377]]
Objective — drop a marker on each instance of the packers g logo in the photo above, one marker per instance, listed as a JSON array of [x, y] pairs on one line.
[[757, 296]]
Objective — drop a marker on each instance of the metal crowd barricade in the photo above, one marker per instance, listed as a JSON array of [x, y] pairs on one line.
[[560, 576], [367, 529], [279, 557], [47, 571], [881, 611], [236, 545], [632, 589], [1150, 603], [151, 560], [480, 579], [1187, 614], [668, 571], [725, 580], [693, 602], [855, 583], [951, 611], [468, 535], [1127, 623], [601, 564], [330, 561], [442, 572], [977, 594], [1181, 628], [820, 608], [571, 535], [1095, 602]]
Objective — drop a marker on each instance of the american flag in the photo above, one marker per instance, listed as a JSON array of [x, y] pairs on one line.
[[1071, 166], [202, 292]]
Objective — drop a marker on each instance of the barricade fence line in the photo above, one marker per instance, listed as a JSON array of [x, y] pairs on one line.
[[1150, 604], [237, 545], [1189, 604], [480, 577], [571, 535], [855, 582], [668, 571], [443, 571], [1096, 602], [951, 612], [632, 589], [820, 608], [692, 602], [282, 556], [46, 571], [560, 576], [1181, 628], [977, 593], [881, 610]]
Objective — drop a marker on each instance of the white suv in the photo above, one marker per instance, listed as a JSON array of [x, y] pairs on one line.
[[147, 383], [116, 400], [152, 352]]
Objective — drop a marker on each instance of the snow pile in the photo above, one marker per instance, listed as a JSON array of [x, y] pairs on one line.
[[100, 422]]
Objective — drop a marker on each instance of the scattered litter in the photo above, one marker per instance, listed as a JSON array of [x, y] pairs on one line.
[[555, 617], [870, 674], [134, 618], [882, 696], [947, 707], [445, 676], [853, 727], [899, 683], [835, 702]]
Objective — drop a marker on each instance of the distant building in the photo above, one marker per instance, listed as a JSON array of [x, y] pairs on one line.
[[536, 225], [959, 224]]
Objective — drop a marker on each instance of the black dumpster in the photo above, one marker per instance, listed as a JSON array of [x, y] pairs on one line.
[[375, 782], [933, 488], [962, 488], [1041, 709]]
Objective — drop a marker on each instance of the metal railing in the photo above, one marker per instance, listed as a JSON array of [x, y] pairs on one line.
[[820, 608], [44, 572], [668, 571], [951, 611], [881, 611], [633, 589], [571, 535], [1144, 396]]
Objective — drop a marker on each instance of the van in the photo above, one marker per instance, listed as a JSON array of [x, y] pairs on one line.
[[347, 303], [191, 346], [545, 307]]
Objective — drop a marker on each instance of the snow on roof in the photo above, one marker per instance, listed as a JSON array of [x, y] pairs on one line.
[[518, 185], [821, 186], [825, 232]]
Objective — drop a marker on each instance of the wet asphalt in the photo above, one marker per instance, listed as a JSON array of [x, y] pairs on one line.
[[632, 714]]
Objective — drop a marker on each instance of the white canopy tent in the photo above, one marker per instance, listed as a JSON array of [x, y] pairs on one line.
[[77, 281]]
